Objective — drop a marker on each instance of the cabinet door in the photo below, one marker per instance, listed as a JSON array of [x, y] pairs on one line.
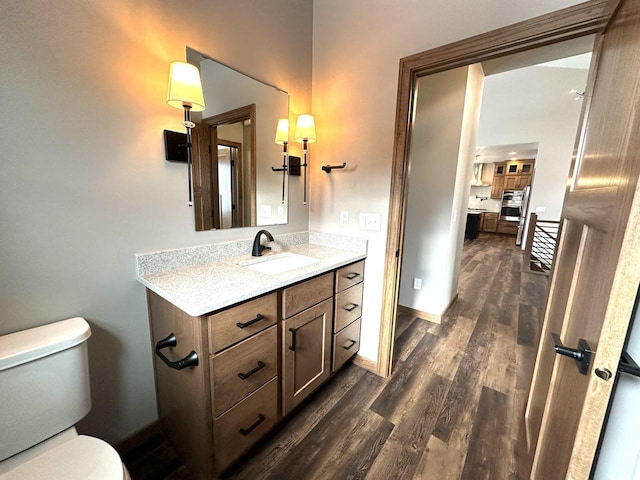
[[510, 182], [523, 181], [490, 222], [306, 347], [513, 168], [497, 187], [498, 169]]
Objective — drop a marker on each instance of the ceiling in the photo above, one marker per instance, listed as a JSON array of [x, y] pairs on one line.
[[500, 153]]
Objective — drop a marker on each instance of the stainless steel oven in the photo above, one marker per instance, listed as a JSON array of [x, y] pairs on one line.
[[511, 205]]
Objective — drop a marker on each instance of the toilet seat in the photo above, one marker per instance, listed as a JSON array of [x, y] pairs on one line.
[[81, 458]]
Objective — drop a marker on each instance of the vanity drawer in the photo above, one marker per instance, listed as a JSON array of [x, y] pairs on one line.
[[349, 275], [306, 294], [348, 307], [245, 424], [237, 323], [346, 343], [255, 359]]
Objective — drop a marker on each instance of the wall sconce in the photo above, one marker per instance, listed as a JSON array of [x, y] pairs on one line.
[[185, 91], [305, 133], [282, 138]]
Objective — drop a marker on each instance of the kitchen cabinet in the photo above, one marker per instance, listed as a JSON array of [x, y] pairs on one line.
[[511, 175], [497, 185], [508, 227], [256, 361], [490, 222]]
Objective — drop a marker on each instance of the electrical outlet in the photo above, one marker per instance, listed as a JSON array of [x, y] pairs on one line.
[[541, 209], [344, 219], [417, 283]]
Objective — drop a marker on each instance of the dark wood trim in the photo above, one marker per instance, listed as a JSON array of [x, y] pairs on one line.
[[583, 19]]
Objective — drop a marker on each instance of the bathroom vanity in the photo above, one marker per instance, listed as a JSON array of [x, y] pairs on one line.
[[249, 346]]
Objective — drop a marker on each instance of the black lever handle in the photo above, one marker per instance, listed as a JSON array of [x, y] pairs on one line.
[[582, 355], [352, 307], [628, 365], [250, 322], [190, 360], [352, 275], [261, 418], [244, 376], [292, 347], [353, 342]]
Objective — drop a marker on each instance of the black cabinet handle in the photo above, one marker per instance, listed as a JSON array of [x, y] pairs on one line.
[[190, 360], [582, 354], [244, 376], [352, 307], [261, 418], [353, 342], [292, 347], [352, 275], [250, 322]]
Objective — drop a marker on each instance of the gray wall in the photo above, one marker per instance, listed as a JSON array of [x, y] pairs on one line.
[[357, 45], [84, 184]]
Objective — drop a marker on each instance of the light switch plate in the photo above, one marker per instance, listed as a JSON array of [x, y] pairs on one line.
[[417, 283], [264, 211], [370, 221]]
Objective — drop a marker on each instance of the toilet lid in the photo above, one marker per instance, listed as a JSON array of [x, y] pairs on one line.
[[81, 458]]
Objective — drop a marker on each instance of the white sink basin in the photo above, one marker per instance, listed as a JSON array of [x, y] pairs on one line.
[[278, 263]]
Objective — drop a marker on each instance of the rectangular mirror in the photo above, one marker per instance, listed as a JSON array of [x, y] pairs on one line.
[[234, 149]]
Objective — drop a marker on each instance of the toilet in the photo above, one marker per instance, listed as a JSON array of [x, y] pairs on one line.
[[44, 392]]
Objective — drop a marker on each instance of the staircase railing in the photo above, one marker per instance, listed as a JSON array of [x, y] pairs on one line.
[[541, 244]]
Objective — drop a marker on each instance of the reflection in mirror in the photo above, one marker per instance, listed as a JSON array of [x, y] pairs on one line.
[[236, 187]]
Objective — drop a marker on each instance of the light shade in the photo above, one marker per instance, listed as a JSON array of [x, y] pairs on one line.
[[306, 129], [282, 131], [185, 88]]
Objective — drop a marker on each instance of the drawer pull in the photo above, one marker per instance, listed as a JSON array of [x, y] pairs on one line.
[[190, 360], [261, 418], [353, 342], [352, 275], [250, 322], [352, 307], [292, 347], [244, 376]]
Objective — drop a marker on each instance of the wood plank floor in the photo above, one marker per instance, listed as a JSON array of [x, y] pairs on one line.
[[452, 408]]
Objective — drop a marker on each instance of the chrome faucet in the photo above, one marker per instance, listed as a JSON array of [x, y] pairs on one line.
[[257, 247]]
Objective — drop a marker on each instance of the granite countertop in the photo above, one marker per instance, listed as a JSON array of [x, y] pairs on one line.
[[200, 280]]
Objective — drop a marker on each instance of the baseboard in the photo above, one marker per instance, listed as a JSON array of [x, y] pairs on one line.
[[420, 314], [138, 438], [366, 363], [432, 317]]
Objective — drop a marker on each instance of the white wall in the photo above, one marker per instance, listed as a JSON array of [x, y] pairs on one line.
[[442, 151], [357, 45], [533, 105], [84, 183]]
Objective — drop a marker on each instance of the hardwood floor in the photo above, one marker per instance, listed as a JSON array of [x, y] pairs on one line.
[[452, 408]]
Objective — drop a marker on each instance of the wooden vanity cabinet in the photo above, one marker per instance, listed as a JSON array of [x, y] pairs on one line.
[[257, 361], [348, 312], [306, 338]]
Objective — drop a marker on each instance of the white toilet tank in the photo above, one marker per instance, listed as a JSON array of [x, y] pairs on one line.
[[44, 383]]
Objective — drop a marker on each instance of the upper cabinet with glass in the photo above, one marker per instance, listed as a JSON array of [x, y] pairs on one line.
[[234, 150]]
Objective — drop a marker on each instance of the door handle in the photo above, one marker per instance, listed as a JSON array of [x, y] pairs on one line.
[[582, 355], [628, 365], [292, 347]]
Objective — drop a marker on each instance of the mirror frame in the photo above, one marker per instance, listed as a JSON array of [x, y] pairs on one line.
[[582, 19]]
